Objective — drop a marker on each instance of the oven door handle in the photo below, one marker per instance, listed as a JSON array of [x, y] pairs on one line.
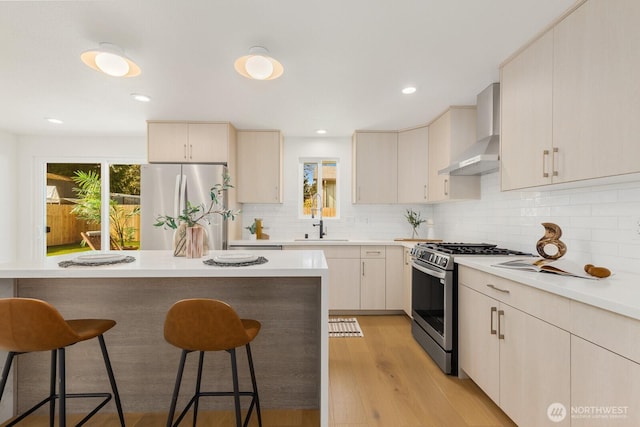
[[429, 271]]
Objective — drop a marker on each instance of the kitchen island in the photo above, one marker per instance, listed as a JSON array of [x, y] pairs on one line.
[[288, 295]]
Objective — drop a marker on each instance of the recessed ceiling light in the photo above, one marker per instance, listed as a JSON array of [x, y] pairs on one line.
[[409, 90], [54, 121], [140, 97], [321, 131]]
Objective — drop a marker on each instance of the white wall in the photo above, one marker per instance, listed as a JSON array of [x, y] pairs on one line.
[[35, 151], [599, 223], [11, 210], [355, 222]]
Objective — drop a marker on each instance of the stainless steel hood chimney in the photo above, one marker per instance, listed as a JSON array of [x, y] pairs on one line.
[[483, 156]]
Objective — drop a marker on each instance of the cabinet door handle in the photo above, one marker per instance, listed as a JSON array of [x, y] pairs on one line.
[[185, 151], [545, 153], [358, 193], [494, 287], [425, 191], [554, 161], [446, 187], [500, 334], [491, 328], [276, 198], [362, 268]]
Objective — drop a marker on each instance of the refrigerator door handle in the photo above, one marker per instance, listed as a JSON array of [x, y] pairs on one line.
[[178, 192]]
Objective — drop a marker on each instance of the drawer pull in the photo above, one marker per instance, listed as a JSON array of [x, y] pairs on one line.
[[373, 252], [491, 328], [500, 334], [504, 291]]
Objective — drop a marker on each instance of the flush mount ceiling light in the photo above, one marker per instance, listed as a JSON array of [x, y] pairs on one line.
[[409, 90], [111, 60], [321, 131], [54, 120], [258, 65]]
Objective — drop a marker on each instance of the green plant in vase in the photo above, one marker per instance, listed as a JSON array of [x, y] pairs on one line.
[[190, 221], [414, 219]]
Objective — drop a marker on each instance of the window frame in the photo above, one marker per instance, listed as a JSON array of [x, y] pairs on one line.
[[40, 250], [300, 198]]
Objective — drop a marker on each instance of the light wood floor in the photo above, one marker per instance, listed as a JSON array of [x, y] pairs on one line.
[[384, 379]]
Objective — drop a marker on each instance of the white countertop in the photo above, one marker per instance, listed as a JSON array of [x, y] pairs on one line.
[[305, 263], [323, 242], [619, 293]]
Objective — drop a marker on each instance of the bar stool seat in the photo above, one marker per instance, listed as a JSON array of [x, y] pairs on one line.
[[202, 325], [29, 325]]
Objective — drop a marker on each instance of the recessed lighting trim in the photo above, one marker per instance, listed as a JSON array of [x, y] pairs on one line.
[[409, 90], [54, 120], [258, 65], [140, 97], [111, 60], [321, 131]]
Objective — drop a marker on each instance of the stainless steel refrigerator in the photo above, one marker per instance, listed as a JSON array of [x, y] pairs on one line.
[[165, 189]]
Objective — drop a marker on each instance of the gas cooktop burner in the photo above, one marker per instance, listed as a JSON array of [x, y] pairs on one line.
[[470, 249]]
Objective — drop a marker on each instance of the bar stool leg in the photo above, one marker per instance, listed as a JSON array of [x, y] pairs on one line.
[[254, 383], [176, 389], [236, 389], [198, 382], [63, 389], [112, 380], [5, 371], [52, 388]]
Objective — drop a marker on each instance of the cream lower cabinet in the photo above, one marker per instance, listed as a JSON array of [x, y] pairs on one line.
[[372, 278], [394, 256], [520, 361], [604, 387], [406, 282]]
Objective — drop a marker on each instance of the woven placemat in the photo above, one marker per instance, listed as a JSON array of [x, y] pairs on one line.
[[71, 263], [260, 260]]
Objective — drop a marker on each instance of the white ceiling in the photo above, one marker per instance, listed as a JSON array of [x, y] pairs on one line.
[[345, 61]]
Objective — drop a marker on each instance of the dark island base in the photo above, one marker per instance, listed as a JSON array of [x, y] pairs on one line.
[[286, 352]]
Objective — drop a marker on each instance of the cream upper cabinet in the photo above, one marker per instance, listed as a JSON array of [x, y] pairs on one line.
[[259, 172], [188, 142], [413, 169], [596, 87], [570, 100], [375, 167], [526, 148], [449, 135]]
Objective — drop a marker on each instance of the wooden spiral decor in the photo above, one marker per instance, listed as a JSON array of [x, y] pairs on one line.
[[550, 246]]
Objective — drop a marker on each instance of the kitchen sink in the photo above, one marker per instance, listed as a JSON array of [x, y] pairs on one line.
[[321, 240]]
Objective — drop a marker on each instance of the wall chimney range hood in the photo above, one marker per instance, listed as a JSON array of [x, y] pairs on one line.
[[483, 156]]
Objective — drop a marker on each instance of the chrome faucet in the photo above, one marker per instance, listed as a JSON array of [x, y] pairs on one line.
[[316, 206]]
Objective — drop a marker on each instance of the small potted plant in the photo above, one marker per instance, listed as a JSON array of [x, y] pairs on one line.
[[414, 220], [190, 238]]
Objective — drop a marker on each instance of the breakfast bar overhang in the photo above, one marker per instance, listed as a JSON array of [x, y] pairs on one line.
[[288, 295]]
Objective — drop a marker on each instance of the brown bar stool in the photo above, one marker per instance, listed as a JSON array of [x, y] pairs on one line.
[[210, 325], [28, 325]]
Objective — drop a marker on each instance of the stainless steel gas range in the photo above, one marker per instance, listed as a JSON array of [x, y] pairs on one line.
[[434, 297]]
